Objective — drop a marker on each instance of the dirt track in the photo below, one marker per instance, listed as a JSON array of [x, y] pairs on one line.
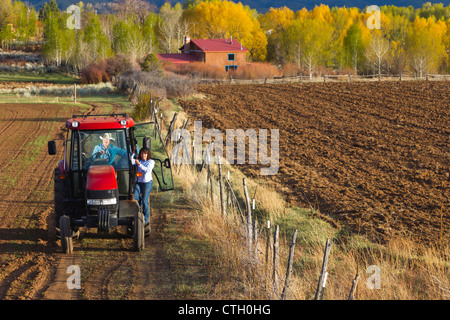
[[373, 156], [31, 263], [25, 197]]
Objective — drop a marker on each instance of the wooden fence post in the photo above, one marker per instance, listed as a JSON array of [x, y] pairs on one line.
[[249, 215], [222, 198], [209, 180], [235, 201], [255, 235], [351, 296], [268, 238], [211, 183], [323, 273], [289, 268], [170, 129], [275, 256], [208, 173], [228, 201], [186, 153], [75, 92]]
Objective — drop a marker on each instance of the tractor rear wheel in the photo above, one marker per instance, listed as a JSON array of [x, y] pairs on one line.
[[138, 235], [59, 196], [66, 234]]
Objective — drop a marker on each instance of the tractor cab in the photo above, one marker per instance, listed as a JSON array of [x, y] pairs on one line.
[[94, 182]]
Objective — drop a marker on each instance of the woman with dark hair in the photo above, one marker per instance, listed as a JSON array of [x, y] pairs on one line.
[[144, 181]]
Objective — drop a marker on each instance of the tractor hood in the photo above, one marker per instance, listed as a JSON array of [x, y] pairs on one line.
[[102, 195], [101, 177]]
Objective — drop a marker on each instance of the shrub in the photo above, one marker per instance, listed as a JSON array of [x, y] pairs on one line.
[[255, 70], [105, 70], [152, 63], [197, 70], [141, 109], [94, 73], [291, 70], [100, 88], [167, 86], [116, 65], [204, 71]]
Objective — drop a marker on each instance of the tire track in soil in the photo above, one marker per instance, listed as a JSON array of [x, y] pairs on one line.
[[8, 118], [30, 136], [122, 273], [16, 284], [127, 275], [25, 204], [100, 283], [13, 274], [56, 288], [153, 267]]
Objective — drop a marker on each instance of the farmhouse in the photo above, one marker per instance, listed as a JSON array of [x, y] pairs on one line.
[[227, 54]]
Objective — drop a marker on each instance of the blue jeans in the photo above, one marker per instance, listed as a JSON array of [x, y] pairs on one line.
[[142, 194]]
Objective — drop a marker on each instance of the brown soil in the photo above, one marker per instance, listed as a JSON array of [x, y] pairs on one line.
[[26, 193], [372, 156]]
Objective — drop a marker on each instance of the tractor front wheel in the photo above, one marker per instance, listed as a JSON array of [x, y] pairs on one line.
[[138, 235], [66, 234]]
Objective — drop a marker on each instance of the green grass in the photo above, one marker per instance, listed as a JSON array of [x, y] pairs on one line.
[[311, 229], [106, 102], [115, 98], [56, 78]]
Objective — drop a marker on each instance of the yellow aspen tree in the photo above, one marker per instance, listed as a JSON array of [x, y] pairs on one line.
[[225, 19], [322, 13], [425, 45], [276, 19], [301, 14]]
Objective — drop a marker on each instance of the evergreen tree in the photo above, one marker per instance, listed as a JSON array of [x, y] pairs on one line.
[[46, 8]]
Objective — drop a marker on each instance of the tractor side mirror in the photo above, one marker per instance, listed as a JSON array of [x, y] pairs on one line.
[[51, 147], [147, 143], [167, 163]]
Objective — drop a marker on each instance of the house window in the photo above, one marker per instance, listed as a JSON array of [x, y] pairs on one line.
[[233, 67], [231, 57]]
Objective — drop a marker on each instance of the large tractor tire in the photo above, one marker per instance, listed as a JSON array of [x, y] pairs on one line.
[[66, 234], [138, 234], [58, 198]]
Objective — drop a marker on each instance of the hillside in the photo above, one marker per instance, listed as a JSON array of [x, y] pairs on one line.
[[264, 5]]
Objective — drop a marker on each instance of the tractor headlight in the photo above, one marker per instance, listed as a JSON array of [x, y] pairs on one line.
[[75, 124], [101, 202]]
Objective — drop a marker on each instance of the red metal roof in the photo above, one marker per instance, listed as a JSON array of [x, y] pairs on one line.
[[177, 57], [218, 45]]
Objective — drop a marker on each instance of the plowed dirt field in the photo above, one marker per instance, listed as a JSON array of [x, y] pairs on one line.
[[26, 195], [375, 157]]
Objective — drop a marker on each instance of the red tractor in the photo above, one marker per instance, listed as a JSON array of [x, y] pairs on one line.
[[95, 189]]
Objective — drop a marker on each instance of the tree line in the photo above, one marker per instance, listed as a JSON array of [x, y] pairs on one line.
[[338, 38]]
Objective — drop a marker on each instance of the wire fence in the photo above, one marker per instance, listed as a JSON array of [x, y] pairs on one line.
[[331, 78], [260, 241]]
